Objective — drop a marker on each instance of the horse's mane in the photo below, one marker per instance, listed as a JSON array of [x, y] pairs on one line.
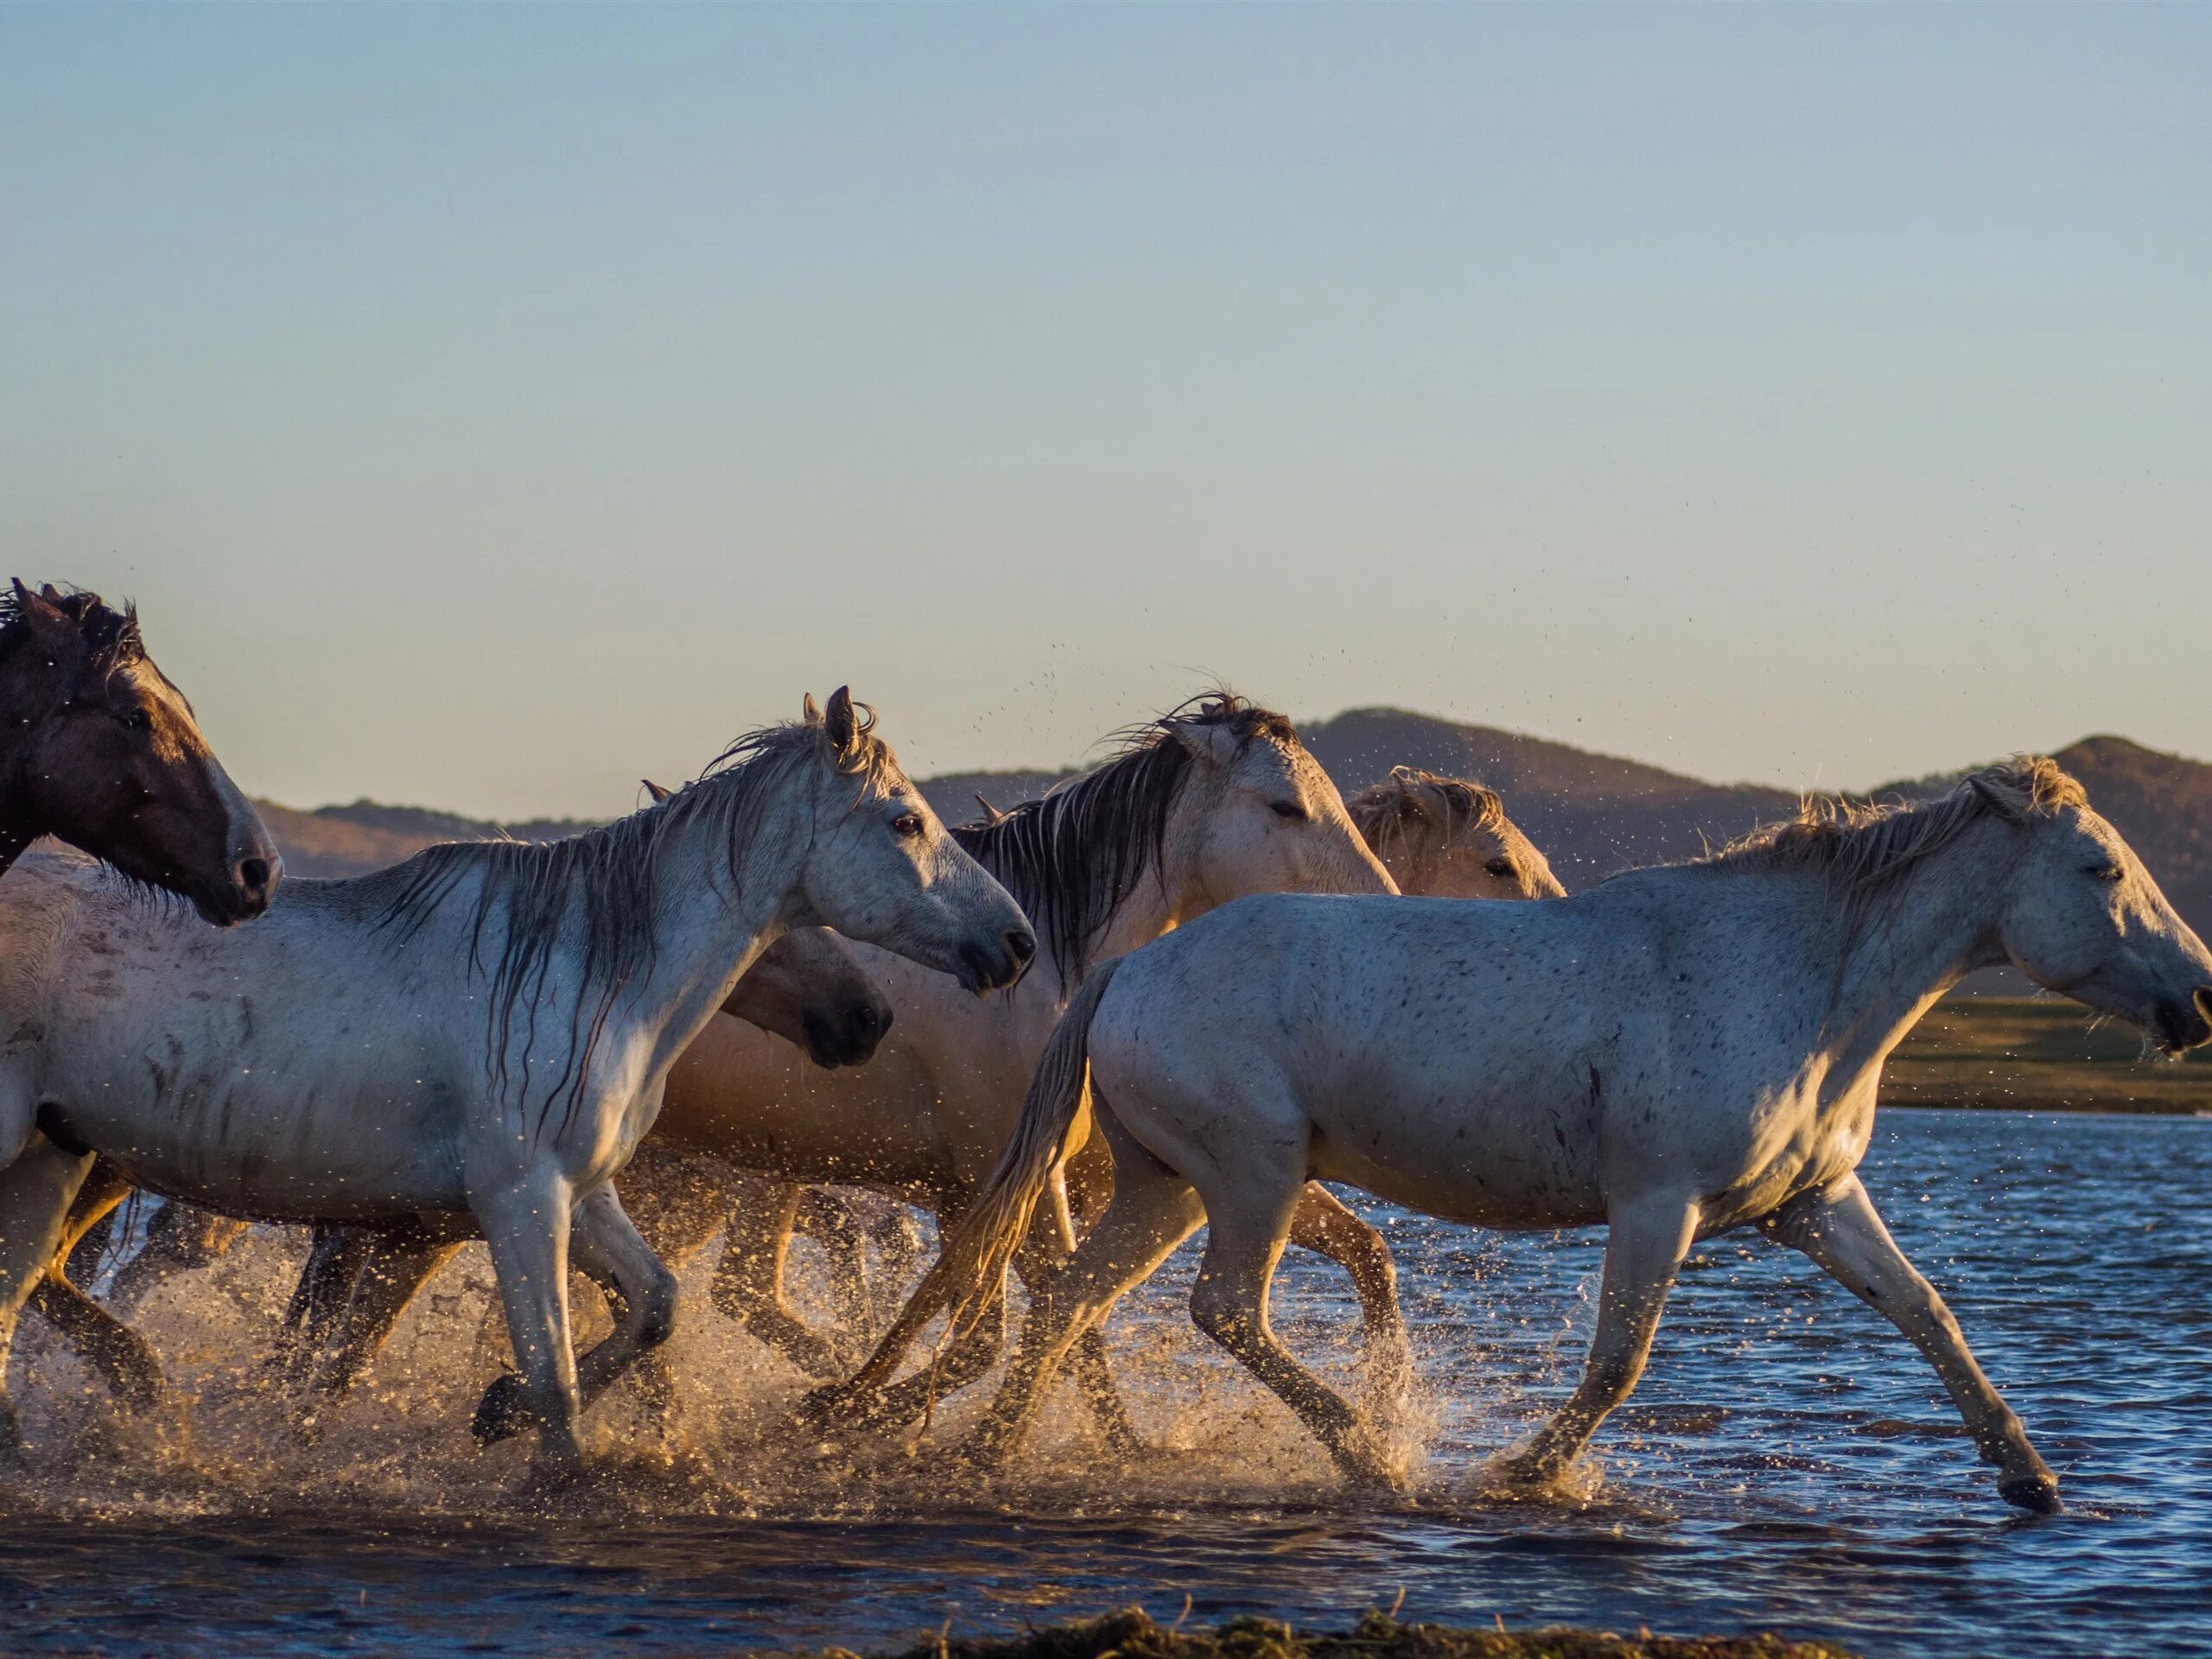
[[1389, 814], [1072, 856], [111, 637], [1864, 849], [602, 889]]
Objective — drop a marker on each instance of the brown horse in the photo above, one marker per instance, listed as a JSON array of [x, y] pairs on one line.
[[99, 749]]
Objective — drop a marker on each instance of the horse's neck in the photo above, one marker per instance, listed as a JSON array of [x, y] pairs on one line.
[[1169, 894], [1938, 925], [711, 928], [1141, 917]]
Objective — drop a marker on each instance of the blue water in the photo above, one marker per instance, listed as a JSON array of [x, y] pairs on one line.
[[1788, 1463]]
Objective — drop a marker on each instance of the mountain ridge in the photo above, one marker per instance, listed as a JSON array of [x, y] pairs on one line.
[[1592, 813]]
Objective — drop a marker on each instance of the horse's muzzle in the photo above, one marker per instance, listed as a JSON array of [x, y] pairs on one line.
[[850, 1038], [2178, 1026], [998, 966], [251, 883]]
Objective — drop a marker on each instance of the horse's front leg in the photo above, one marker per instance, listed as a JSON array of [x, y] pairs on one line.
[[1645, 1241], [526, 1222], [36, 1191], [608, 1248], [748, 1283], [1839, 1228]]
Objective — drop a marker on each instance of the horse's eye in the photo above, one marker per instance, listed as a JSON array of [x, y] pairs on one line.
[[1290, 811], [1501, 868], [907, 824], [2103, 872], [135, 719]]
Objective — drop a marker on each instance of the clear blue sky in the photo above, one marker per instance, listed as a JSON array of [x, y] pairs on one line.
[[487, 405]]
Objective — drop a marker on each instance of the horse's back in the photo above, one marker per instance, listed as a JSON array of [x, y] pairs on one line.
[[1447, 1053]]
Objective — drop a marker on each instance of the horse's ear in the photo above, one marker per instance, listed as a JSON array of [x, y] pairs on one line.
[[991, 814], [838, 724], [1210, 741], [810, 711], [658, 792], [43, 612]]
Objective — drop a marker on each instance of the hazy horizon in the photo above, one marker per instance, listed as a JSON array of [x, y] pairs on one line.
[[489, 406]]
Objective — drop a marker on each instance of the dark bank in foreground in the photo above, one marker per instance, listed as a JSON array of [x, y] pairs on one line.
[[1132, 1634]]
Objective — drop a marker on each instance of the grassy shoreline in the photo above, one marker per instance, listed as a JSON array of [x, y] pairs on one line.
[[2038, 1054], [1131, 1635]]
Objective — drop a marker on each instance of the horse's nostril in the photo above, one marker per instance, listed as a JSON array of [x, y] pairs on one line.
[[253, 873], [1021, 944], [2202, 997]]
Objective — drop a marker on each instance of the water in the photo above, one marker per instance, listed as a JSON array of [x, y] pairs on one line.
[[1788, 1462]]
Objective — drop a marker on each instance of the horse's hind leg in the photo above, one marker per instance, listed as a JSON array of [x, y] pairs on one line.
[[121, 1355], [372, 1277], [1151, 1211], [898, 1244], [35, 1191], [1840, 1229], [1645, 1242], [1321, 1222], [180, 1237], [749, 1279], [609, 1249], [830, 1221], [1042, 1255], [1248, 1212], [318, 1299]]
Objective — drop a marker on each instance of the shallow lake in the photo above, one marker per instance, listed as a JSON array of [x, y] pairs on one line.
[[1787, 1463]]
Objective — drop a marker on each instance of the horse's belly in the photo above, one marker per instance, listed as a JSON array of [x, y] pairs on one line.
[[1520, 1166], [259, 1146]]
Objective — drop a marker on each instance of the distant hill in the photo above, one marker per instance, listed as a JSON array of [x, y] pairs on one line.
[[2161, 804], [354, 840], [1592, 814]]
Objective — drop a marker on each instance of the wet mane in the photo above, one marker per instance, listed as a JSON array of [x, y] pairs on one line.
[[1413, 803], [1863, 850], [602, 890], [110, 637], [1072, 857]]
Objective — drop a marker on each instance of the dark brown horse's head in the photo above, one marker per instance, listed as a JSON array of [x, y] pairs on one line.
[[99, 750]]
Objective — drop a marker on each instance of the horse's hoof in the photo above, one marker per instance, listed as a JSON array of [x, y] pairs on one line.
[[503, 1412], [1369, 1480], [2037, 1494]]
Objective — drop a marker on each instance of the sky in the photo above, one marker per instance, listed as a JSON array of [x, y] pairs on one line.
[[489, 405]]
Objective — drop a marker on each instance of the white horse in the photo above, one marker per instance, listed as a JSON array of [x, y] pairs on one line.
[[486, 1028], [1445, 837], [1677, 1052], [1438, 836], [806, 988], [1212, 801]]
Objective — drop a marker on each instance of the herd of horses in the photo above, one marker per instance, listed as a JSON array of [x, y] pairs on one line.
[[1183, 989]]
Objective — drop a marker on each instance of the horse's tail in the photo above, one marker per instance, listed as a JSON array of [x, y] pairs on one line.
[[970, 1273]]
